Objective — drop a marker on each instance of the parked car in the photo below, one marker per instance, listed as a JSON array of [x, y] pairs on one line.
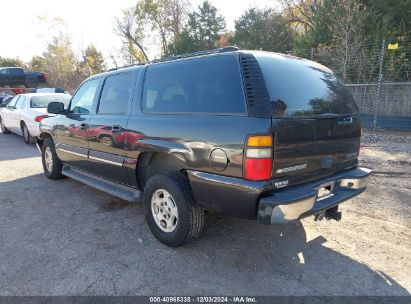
[[253, 134], [4, 100], [24, 112], [4, 97], [14, 76]]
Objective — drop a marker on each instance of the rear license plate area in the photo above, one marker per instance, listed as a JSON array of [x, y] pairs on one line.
[[325, 191]]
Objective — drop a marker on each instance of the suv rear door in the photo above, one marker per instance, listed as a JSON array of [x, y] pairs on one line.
[[107, 132], [314, 119]]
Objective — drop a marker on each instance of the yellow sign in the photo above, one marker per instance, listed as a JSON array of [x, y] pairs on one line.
[[393, 46]]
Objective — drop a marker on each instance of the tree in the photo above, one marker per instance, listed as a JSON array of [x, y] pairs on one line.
[[131, 26], [202, 31], [37, 63], [61, 64], [263, 29], [93, 61], [166, 17], [11, 62], [344, 20]]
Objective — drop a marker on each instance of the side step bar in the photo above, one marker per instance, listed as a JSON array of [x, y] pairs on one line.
[[121, 191]]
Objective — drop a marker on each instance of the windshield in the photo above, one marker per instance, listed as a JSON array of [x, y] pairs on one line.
[[43, 101], [299, 87]]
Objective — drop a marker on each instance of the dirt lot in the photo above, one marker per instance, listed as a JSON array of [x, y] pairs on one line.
[[64, 238]]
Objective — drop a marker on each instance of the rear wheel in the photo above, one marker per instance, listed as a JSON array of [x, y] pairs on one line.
[[171, 211], [4, 130], [28, 139], [52, 165]]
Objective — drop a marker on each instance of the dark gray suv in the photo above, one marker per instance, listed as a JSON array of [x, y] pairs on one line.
[[258, 135]]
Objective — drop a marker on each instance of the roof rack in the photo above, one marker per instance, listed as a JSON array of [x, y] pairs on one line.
[[126, 66], [199, 53], [187, 55]]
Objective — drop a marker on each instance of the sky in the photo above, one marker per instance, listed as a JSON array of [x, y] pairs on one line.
[[26, 25]]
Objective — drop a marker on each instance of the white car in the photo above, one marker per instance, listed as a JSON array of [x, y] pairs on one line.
[[24, 112]]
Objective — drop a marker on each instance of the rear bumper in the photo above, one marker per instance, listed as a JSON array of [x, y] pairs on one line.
[[297, 202]]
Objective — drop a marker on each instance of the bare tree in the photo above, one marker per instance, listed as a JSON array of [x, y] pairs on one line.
[[131, 26], [166, 17], [300, 12], [346, 19]]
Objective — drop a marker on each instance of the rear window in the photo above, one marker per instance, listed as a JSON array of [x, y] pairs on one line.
[[201, 85], [116, 94], [298, 87], [43, 101]]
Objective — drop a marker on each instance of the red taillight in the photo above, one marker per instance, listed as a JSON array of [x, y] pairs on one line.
[[44, 77], [258, 157], [40, 118], [258, 168]]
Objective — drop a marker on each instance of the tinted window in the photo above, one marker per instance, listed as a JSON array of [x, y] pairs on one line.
[[201, 85], [299, 87], [82, 100], [116, 94], [43, 101]]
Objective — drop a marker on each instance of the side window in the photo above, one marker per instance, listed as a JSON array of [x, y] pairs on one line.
[[116, 94], [82, 101], [4, 71], [20, 102], [16, 71], [200, 85], [13, 102]]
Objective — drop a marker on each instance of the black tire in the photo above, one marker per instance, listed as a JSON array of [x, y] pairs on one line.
[[55, 172], [28, 139], [190, 216], [4, 130], [32, 83]]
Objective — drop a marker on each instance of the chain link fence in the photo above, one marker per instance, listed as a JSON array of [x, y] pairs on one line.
[[388, 110], [378, 74]]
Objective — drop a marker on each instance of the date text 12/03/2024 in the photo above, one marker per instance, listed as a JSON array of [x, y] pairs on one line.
[[204, 299]]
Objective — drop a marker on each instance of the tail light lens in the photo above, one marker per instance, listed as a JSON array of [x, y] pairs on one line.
[[258, 157], [44, 77], [40, 118]]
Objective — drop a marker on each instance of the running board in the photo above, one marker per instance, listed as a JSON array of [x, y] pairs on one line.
[[121, 191]]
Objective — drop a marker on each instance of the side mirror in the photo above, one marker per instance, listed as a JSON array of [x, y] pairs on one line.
[[55, 107]]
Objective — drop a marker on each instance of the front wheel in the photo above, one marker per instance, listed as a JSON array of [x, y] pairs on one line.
[[171, 211], [52, 165], [4, 130]]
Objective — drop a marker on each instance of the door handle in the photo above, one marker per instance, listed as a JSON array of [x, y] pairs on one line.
[[84, 126], [116, 129]]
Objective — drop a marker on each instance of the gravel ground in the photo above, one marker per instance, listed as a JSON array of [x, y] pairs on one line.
[[64, 238]]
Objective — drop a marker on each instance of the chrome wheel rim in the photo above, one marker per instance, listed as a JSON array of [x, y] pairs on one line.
[[48, 159], [164, 210]]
